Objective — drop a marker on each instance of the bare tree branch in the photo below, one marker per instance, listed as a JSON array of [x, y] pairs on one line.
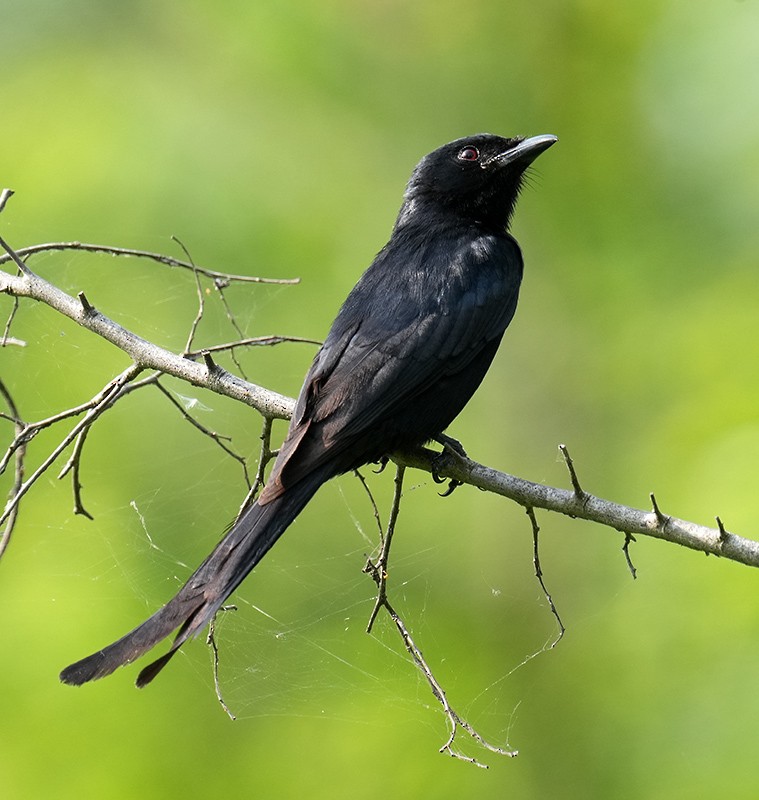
[[378, 571], [605, 512], [198, 368], [143, 353], [224, 277], [272, 405]]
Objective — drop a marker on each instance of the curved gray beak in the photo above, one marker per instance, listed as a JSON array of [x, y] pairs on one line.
[[525, 152]]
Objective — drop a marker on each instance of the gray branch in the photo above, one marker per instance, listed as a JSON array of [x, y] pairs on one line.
[[145, 354], [713, 541], [573, 502]]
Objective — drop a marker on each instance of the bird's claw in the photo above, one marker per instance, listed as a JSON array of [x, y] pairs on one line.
[[453, 484], [381, 464], [451, 448]]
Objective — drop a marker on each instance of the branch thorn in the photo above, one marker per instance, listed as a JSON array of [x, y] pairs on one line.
[[579, 493], [723, 532], [87, 307], [211, 365], [5, 196], [662, 519]]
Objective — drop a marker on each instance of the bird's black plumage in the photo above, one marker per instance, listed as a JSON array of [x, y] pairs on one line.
[[407, 350]]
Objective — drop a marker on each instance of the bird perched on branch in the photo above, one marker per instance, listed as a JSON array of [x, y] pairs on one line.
[[411, 343]]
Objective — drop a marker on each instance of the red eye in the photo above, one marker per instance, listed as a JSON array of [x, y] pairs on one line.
[[468, 154]]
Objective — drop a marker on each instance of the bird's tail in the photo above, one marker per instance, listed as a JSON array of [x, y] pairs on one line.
[[195, 604]]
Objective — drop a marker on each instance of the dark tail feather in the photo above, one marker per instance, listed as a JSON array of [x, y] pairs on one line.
[[208, 587]]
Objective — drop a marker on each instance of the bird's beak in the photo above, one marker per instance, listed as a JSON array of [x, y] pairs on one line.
[[525, 152]]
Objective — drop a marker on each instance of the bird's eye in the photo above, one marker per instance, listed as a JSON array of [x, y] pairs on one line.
[[469, 154]]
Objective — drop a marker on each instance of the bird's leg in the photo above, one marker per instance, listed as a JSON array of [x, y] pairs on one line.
[[451, 444], [452, 448]]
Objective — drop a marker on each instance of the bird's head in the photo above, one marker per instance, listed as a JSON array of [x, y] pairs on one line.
[[476, 178]]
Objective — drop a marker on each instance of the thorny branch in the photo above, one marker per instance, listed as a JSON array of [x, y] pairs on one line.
[[539, 575], [378, 571], [198, 368], [146, 356]]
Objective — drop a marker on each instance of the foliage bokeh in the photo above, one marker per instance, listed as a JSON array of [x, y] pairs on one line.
[[275, 139]]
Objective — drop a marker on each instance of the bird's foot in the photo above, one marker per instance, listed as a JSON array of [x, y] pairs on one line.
[[451, 444], [452, 449]]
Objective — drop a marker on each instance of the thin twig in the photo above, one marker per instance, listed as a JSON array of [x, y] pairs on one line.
[[144, 353], [455, 721], [373, 503], [211, 642], [539, 575], [220, 286], [212, 435], [157, 257], [260, 341], [102, 401], [6, 338], [5, 196], [378, 569], [73, 466], [201, 298], [18, 472], [629, 539], [572, 474], [15, 257]]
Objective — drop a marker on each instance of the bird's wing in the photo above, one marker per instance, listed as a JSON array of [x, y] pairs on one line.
[[371, 369]]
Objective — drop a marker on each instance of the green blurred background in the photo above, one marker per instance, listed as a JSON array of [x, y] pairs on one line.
[[274, 138]]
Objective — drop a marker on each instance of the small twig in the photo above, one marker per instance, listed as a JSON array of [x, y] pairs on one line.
[[220, 286], [378, 571], [5, 196], [102, 401], [14, 256], [264, 457], [73, 465], [580, 494], [201, 298], [373, 503], [264, 341], [211, 642], [455, 721], [6, 339], [378, 568], [629, 539], [213, 435], [539, 575], [158, 257], [18, 472]]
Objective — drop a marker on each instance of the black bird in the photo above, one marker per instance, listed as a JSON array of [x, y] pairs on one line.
[[410, 345]]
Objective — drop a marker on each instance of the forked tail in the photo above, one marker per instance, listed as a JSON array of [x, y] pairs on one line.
[[195, 604]]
